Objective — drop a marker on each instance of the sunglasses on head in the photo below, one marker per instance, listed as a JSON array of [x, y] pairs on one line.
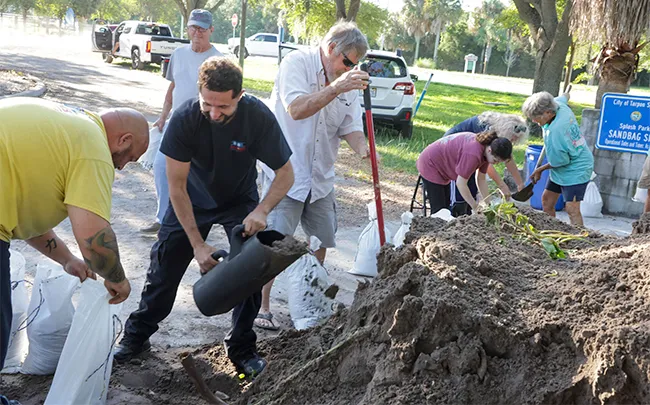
[[347, 62]]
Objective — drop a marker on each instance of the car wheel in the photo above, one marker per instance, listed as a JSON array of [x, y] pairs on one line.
[[136, 63], [108, 58], [406, 131]]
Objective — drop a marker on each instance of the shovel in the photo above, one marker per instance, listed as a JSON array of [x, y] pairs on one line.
[[525, 193]]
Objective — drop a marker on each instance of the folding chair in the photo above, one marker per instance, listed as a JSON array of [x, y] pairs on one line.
[[415, 203]]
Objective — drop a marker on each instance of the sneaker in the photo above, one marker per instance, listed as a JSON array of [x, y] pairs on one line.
[[153, 228], [127, 350], [5, 401], [252, 367]]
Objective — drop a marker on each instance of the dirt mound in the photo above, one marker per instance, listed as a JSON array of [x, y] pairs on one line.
[[466, 313], [642, 225]]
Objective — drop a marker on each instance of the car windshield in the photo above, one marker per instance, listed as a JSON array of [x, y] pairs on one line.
[[385, 67]]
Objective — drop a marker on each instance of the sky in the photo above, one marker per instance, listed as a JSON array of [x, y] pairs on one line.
[[396, 5]]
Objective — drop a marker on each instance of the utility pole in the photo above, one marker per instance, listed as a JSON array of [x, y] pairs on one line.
[[242, 34]]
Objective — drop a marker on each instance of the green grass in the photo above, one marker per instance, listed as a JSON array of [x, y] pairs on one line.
[[443, 107]]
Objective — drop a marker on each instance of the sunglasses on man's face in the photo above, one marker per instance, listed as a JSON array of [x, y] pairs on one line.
[[347, 62]]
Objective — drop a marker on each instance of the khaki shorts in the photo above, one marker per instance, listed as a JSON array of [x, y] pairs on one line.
[[644, 180], [317, 218]]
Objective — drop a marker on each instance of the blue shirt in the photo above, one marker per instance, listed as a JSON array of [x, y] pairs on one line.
[[472, 125], [566, 149]]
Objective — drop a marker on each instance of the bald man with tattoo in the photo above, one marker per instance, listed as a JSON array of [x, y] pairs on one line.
[[58, 161]]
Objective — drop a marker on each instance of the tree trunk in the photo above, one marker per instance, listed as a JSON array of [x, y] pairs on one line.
[[548, 69], [617, 72], [340, 10], [508, 57], [488, 52], [242, 34], [435, 47], [480, 60], [569, 66], [417, 49], [551, 38], [353, 10]]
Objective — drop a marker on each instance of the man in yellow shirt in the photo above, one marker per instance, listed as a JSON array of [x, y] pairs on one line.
[[56, 162]]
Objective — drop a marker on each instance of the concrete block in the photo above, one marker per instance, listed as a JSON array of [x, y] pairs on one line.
[[627, 169], [617, 205], [589, 126], [604, 166], [638, 159], [610, 154], [606, 183]]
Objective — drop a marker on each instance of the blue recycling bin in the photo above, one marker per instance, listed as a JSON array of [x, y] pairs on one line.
[[532, 154]]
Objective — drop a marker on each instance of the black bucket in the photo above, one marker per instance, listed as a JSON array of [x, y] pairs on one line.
[[250, 265]]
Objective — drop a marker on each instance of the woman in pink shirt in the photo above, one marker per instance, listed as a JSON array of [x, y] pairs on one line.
[[458, 157]]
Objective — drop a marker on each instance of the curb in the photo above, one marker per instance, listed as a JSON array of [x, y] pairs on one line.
[[37, 92]]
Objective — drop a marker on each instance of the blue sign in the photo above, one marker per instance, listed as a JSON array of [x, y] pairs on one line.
[[624, 123]]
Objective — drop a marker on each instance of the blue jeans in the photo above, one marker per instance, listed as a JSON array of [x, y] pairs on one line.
[[162, 188], [5, 300]]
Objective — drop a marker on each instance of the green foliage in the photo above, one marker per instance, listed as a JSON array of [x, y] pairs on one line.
[[424, 63], [309, 21], [507, 216], [582, 78]]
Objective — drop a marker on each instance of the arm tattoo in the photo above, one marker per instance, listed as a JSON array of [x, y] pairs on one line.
[[51, 244], [104, 256]]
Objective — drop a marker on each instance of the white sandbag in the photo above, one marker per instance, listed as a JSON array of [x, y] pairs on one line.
[[443, 213], [398, 239], [155, 138], [365, 261], [18, 342], [49, 317], [641, 195], [592, 204], [85, 366], [308, 281]]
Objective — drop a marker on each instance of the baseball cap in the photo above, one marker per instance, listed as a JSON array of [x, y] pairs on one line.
[[200, 18]]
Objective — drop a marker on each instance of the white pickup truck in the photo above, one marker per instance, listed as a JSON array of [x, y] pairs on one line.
[[142, 42], [262, 44]]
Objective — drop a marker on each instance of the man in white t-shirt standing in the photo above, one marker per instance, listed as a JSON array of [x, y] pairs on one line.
[[183, 73], [316, 102]]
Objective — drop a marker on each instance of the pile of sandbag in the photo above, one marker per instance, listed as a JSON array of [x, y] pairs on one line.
[[49, 336]]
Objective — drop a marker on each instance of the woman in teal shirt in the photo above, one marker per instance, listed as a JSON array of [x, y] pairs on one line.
[[569, 158]]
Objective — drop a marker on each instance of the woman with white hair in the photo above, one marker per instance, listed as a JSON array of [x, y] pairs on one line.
[[509, 126], [569, 158]]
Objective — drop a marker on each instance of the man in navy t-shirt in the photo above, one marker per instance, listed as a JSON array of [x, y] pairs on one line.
[[211, 146]]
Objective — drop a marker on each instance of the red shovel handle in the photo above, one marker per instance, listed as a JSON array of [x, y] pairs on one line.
[[373, 159]]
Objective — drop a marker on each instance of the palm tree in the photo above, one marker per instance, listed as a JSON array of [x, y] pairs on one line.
[[619, 25], [417, 21]]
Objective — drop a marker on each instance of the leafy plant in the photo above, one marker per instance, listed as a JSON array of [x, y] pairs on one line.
[[506, 215]]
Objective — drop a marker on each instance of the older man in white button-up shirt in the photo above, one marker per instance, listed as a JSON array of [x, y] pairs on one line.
[[316, 101]]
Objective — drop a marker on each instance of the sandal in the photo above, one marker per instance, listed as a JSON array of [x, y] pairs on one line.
[[264, 320]]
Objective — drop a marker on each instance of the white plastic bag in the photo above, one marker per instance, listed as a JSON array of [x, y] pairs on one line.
[[592, 204], [365, 261], [308, 281], [84, 370], [398, 239], [155, 138], [443, 213], [49, 317], [641, 195], [18, 342]]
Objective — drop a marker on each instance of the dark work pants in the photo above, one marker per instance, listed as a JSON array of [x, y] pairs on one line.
[[437, 194], [170, 256], [5, 300]]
